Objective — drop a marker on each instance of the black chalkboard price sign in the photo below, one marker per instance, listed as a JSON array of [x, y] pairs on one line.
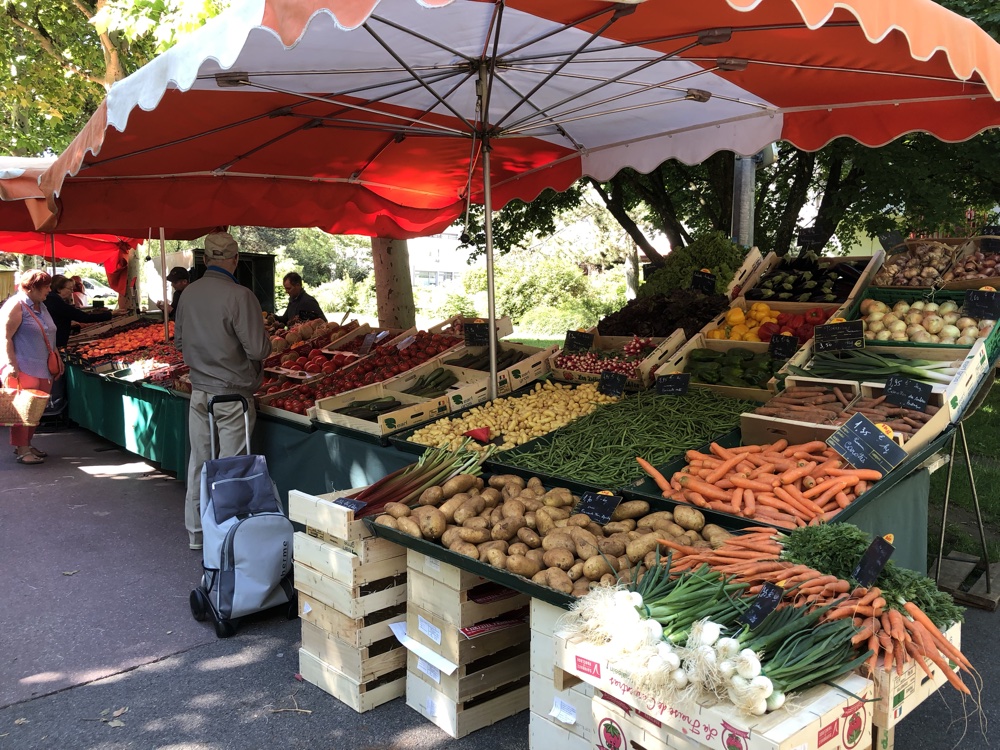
[[980, 304], [675, 384], [476, 332], [783, 347], [872, 563], [764, 604], [990, 244], [600, 506], [578, 341], [351, 503], [865, 446], [835, 337], [910, 394], [612, 383], [703, 281]]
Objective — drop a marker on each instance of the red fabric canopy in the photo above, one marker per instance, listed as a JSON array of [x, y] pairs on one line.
[[364, 117], [108, 250]]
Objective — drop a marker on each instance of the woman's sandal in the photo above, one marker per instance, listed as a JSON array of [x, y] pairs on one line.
[[35, 451], [29, 458]]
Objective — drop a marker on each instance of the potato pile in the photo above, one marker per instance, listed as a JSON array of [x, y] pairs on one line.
[[519, 526], [547, 407]]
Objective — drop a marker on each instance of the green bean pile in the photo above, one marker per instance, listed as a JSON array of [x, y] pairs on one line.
[[600, 449]]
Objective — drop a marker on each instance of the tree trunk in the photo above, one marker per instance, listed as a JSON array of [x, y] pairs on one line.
[[393, 289], [632, 273]]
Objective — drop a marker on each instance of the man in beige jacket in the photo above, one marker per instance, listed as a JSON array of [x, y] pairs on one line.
[[220, 332]]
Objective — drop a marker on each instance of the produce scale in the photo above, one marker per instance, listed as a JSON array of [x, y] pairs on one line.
[[696, 525]]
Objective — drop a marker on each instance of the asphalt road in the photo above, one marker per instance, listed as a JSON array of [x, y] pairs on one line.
[[94, 622]]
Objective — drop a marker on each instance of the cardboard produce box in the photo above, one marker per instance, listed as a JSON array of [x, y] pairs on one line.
[[679, 363]]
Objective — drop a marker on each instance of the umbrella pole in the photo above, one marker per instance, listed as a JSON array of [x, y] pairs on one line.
[[490, 296], [52, 242], [163, 280]]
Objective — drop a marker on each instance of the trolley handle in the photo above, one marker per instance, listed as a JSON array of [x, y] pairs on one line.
[[227, 398]]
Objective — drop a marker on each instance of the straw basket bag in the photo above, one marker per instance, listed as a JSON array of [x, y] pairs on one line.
[[22, 406]]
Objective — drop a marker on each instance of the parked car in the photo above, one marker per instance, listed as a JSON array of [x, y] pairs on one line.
[[96, 290]]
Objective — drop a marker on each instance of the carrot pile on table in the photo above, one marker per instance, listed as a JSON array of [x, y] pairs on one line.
[[780, 484], [886, 622]]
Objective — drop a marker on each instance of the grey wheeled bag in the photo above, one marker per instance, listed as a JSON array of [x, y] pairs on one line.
[[247, 539]]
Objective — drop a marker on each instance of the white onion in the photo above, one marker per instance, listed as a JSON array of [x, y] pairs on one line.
[[775, 700], [966, 340], [914, 318], [918, 305], [877, 306], [964, 323], [931, 307], [883, 336], [747, 664], [872, 317], [913, 330], [950, 332], [672, 660], [933, 323], [950, 318], [947, 307], [878, 325], [899, 336], [947, 340], [972, 331], [898, 326], [935, 339], [889, 318], [901, 307], [679, 678]]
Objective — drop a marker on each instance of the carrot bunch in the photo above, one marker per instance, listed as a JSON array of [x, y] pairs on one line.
[[893, 635], [782, 485]]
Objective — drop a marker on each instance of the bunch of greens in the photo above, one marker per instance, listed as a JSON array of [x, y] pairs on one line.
[[836, 548], [661, 314], [713, 251]]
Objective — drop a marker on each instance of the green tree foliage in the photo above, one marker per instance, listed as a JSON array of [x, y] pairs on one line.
[[322, 257]]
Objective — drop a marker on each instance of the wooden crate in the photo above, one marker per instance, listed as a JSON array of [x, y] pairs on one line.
[[322, 513], [342, 566], [833, 717], [664, 349], [898, 695], [358, 633], [461, 607], [448, 640], [414, 410], [759, 429], [461, 719], [544, 734], [449, 575], [471, 388], [360, 664], [355, 602], [359, 696], [679, 360], [370, 550], [483, 675]]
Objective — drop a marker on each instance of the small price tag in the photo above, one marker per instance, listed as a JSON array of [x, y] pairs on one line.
[[981, 304], [612, 383], [839, 336], [870, 567], [766, 602], [783, 347], [703, 281], [405, 342], [350, 502], [910, 394], [600, 506], [990, 244], [578, 341], [864, 446], [476, 332], [675, 384], [367, 343]]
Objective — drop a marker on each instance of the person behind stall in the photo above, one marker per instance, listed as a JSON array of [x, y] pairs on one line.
[[79, 292], [60, 306], [220, 332], [301, 304], [179, 279], [30, 338]]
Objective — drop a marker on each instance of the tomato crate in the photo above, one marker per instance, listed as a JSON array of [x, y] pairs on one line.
[[831, 717], [664, 348], [533, 365]]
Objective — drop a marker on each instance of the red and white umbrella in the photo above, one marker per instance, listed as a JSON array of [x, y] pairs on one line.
[[386, 118]]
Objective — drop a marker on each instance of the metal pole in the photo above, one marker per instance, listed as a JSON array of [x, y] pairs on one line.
[[163, 280], [944, 512], [52, 242], [744, 187], [975, 502], [488, 211]]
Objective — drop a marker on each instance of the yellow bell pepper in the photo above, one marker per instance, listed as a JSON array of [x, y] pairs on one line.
[[751, 336], [735, 317], [716, 333]]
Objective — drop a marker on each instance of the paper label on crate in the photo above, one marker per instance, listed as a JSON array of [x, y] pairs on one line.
[[490, 626], [429, 669], [350, 503], [367, 343], [429, 708], [562, 711], [433, 564], [588, 667], [830, 732], [431, 631], [424, 652]]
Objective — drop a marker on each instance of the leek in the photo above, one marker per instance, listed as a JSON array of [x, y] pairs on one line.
[[866, 365]]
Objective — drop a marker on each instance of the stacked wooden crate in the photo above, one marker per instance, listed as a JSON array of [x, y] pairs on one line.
[[351, 589], [477, 634]]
